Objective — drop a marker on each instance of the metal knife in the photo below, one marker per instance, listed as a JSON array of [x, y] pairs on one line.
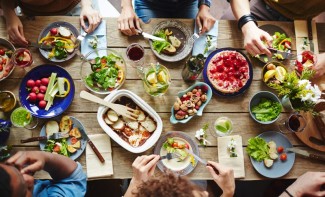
[[54, 136], [100, 157], [306, 154], [285, 55], [310, 35], [196, 157], [149, 36], [41, 46]]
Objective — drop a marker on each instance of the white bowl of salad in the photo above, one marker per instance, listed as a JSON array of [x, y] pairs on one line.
[[103, 70]]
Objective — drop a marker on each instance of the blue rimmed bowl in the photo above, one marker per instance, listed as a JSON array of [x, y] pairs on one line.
[[173, 120]]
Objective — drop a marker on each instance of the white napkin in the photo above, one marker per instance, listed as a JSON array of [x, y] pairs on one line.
[[95, 168], [200, 43], [236, 163], [100, 32]]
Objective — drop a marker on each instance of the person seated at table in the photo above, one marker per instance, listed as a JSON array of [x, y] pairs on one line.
[[246, 13], [144, 184], [308, 184], [16, 175], [129, 19], [46, 8]]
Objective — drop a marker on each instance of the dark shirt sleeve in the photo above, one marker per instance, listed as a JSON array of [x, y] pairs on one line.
[[204, 2]]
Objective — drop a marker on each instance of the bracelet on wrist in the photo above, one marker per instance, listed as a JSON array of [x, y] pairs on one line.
[[204, 2], [245, 19], [286, 191]]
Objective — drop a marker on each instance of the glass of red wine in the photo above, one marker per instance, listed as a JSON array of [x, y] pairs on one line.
[[22, 58], [295, 123], [135, 53]]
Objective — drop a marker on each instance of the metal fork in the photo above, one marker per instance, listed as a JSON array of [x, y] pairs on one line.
[[192, 39], [169, 156], [119, 109]]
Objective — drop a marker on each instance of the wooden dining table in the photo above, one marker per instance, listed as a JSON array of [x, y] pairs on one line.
[[235, 108]]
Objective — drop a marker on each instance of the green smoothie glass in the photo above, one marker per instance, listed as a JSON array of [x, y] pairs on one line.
[[21, 117]]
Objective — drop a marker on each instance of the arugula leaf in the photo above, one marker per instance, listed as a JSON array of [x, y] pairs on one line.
[[258, 149]]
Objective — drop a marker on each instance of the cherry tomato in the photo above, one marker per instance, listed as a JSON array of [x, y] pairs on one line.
[[2, 52], [54, 31], [73, 140], [175, 145], [283, 157], [187, 146], [56, 148], [280, 149]]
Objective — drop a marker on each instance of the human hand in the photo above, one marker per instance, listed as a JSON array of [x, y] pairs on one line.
[[308, 184], [92, 16], [144, 167], [16, 31], [28, 161], [320, 65], [204, 19], [224, 177], [253, 39], [128, 21]]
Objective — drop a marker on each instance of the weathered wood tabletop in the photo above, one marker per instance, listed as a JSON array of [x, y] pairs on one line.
[[235, 108]]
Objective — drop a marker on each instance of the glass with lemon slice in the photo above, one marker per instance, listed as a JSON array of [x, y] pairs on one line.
[[222, 126], [156, 79]]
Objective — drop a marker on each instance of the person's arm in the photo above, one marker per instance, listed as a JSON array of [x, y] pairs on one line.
[[308, 184], [58, 166], [204, 19], [224, 177], [14, 26], [253, 36], [128, 21], [320, 65], [92, 15], [143, 168]]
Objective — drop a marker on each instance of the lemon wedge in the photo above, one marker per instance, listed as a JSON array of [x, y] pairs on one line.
[[268, 75], [152, 78], [280, 73], [162, 77]]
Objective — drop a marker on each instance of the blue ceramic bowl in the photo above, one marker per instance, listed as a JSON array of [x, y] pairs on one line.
[[59, 104], [206, 79], [255, 101], [173, 120]]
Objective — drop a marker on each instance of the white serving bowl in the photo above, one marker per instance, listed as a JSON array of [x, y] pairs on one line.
[[115, 95]]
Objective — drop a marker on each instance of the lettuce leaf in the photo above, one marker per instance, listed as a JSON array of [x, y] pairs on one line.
[[257, 148], [267, 110]]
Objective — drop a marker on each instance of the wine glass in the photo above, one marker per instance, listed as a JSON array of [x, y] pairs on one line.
[[21, 117], [135, 53], [294, 123], [22, 58]]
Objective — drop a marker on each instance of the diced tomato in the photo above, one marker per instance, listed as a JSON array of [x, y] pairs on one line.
[[73, 140], [175, 145], [56, 148], [4, 61], [187, 146], [2, 52], [146, 134], [283, 157], [280, 149], [287, 44]]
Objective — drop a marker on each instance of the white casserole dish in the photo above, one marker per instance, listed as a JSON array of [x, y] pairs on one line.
[[112, 97]]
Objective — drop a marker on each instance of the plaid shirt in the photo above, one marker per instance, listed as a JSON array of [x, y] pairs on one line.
[[204, 2]]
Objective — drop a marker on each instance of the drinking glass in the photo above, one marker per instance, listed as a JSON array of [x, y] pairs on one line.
[[223, 126], [7, 101], [294, 123], [135, 53], [21, 117], [22, 58]]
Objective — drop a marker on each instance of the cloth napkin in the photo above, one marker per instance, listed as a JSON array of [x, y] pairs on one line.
[[236, 163], [100, 32], [200, 43], [96, 169]]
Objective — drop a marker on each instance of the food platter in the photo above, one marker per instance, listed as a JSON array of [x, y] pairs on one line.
[[59, 104], [45, 32], [182, 32], [279, 168], [76, 123], [181, 168], [6, 67], [219, 93]]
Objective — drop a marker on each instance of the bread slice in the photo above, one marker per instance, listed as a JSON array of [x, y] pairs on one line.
[[77, 145], [169, 50], [51, 127], [175, 41], [65, 124], [71, 149], [149, 124], [75, 133]]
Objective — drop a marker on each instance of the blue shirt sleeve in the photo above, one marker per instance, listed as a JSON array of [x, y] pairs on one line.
[[205, 2], [74, 185]]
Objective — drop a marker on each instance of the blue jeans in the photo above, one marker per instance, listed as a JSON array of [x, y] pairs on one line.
[[147, 9]]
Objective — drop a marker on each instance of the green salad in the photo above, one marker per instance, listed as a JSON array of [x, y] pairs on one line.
[[160, 45], [107, 73], [258, 149], [57, 146], [266, 110]]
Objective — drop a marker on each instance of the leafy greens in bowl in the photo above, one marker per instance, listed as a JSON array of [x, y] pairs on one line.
[[105, 72]]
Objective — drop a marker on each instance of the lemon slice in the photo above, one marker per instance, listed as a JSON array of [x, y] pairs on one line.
[[223, 125], [162, 77], [268, 75], [280, 73], [152, 78]]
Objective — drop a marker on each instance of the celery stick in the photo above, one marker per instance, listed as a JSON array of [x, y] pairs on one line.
[[54, 90], [49, 87], [49, 103], [61, 85]]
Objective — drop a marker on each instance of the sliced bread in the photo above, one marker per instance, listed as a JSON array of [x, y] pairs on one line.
[[51, 127]]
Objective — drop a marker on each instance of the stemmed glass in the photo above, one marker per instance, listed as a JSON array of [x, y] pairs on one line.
[[295, 123]]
